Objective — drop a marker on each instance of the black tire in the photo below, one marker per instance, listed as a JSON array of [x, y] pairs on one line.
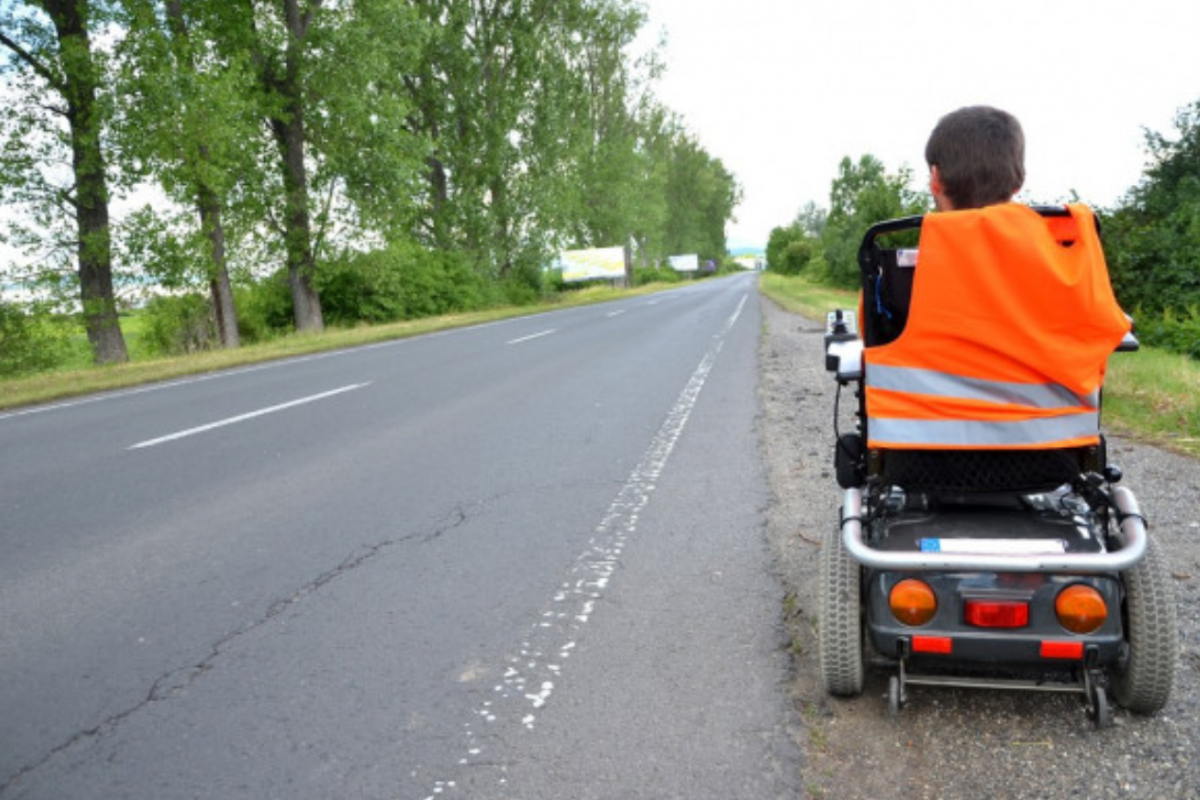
[[1142, 680], [840, 620], [894, 699], [1101, 712]]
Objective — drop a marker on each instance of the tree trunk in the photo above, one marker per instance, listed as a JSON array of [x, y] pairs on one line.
[[208, 202], [222, 291], [289, 134], [91, 183]]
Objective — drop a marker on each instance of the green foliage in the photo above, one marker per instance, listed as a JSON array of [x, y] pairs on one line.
[[1178, 332], [824, 245], [264, 307], [398, 282], [178, 324], [701, 197], [862, 194], [56, 109], [31, 340], [1153, 239], [778, 242], [281, 135], [645, 275], [522, 285]]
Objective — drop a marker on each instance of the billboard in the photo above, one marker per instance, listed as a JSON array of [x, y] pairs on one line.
[[688, 263], [599, 263]]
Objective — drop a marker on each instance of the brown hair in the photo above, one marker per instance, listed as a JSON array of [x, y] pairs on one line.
[[980, 154]]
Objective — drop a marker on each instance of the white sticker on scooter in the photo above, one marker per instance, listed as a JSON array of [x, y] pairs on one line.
[[994, 547]]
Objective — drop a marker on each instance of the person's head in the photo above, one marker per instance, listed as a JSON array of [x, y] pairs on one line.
[[976, 158]]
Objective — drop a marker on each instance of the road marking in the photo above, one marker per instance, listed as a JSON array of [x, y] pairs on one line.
[[243, 417], [616, 313], [529, 678], [532, 336]]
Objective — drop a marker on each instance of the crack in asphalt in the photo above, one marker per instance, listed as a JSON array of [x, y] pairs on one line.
[[178, 680]]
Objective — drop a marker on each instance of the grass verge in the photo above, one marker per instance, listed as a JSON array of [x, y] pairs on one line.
[[61, 384], [1151, 395]]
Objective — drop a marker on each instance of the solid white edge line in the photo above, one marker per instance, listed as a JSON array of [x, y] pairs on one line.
[[528, 681], [243, 417]]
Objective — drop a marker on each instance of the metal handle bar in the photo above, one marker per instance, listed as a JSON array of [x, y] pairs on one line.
[[1132, 525]]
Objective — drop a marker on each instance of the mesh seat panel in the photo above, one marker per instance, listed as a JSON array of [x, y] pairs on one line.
[[971, 471]]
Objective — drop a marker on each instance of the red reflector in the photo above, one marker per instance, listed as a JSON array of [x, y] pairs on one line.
[[994, 614], [932, 644], [1073, 650]]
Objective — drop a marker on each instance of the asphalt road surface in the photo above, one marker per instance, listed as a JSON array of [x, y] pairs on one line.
[[524, 560]]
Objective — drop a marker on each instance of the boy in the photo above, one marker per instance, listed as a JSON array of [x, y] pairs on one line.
[[1012, 316], [976, 158]]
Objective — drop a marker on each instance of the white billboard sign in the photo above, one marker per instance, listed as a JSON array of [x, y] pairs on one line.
[[688, 263], [599, 263]]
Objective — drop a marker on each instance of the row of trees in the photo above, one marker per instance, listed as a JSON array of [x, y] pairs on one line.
[[470, 137], [1151, 236], [823, 244]]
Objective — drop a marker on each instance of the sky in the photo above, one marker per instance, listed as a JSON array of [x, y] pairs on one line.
[[782, 90]]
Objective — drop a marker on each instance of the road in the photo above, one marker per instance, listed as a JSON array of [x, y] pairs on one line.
[[525, 559]]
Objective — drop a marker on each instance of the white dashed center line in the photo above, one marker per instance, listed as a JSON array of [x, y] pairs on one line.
[[243, 417]]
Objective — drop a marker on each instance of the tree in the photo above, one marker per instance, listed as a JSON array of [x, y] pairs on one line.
[[343, 159], [701, 196], [280, 52], [543, 132], [810, 219], [862, 194], [187, 119], [1153, 237], [50, 42], [778, 241]]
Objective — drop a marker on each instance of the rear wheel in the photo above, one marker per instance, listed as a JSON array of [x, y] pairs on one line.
[[840, 621], [1142, 679]]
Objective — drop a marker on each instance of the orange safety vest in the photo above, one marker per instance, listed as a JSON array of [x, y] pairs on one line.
[[1010, 326]]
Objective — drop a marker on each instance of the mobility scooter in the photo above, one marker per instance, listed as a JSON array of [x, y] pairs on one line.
[[983, 539]]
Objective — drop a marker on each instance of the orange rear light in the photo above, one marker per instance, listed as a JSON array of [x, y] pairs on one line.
[[1080, 609], [912, 602], [997, 613]]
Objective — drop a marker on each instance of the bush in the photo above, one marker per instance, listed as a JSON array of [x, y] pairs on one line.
[[440, 283], [522, 284], [361, 287], [264, 308], [402, 281], [1179, 333], [644, 275], [817, 270], [797, 255], [31, 339], [178, 324]]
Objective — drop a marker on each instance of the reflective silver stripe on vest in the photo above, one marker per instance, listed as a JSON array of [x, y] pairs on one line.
[[944, 384], [973, 433]]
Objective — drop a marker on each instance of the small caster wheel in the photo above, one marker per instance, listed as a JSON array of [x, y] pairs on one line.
[[895, 700], [1101, 710]]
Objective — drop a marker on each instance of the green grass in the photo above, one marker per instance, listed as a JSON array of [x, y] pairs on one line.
[[80, 377], [804, 297], [1151, 395]]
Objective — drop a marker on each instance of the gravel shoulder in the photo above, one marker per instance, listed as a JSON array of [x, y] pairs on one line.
[[949, 744]]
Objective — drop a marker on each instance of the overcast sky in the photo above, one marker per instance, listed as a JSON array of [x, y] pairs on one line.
[[781, 90]]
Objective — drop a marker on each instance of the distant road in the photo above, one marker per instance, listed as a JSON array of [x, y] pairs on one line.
[[525, 559]]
